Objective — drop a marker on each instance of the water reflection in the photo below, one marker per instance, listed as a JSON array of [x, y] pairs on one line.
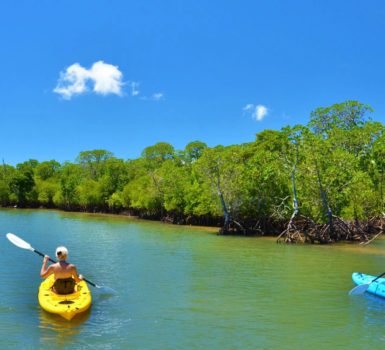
[[375, 307], [56, 330]]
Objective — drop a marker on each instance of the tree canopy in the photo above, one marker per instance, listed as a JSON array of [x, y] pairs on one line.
[[333, 164]]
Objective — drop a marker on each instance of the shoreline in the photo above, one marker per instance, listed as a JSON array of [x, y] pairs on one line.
[[305, 231], [114, 215]]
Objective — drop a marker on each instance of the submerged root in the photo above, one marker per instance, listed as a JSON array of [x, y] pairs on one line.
[[303, 230], [298, 230]]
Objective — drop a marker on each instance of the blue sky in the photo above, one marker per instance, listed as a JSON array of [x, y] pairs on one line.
[[124, 75]]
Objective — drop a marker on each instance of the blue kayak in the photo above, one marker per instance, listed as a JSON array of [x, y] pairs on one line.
[[376, 288]]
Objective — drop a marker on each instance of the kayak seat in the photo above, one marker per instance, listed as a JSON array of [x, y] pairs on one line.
[[64, 286]]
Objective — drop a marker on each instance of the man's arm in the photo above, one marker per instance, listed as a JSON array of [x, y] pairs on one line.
[[45, 272], [77, 278]]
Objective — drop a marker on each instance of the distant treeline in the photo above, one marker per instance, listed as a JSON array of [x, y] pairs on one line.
[[332, 167]]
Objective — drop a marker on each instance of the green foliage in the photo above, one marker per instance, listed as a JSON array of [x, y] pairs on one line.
[[157, 154], [89, 195], [4, 193], [142, 193], [94, 162], [22, 185], [116, 202], [336, 163], [70, 176], [193, 151], [344, 116], [266, 178], [173, 185], [360, 198], [46, 170], [7, 173], [46, 191]]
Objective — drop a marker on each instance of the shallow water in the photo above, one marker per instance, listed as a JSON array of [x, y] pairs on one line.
[[186, 288]]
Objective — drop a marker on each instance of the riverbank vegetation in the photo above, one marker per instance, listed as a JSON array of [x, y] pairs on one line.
[[321, 182]]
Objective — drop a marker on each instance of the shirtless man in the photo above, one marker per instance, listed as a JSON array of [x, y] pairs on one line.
[[66, 275]]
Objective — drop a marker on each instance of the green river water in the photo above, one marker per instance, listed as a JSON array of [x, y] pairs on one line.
[[186, 288]]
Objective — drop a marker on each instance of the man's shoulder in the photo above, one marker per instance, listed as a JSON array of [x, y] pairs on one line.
[[54, 265]]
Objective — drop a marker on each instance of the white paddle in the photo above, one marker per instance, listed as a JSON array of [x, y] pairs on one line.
[[18, 242]]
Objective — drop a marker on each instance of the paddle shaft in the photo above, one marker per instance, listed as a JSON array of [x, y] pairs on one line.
[[51, 260], [378, 277], [18, 242]]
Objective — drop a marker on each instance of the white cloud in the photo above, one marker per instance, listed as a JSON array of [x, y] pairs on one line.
[[134, 88], [248, 107], [72, 82], [158, 96], [102, 78], [107, 78], [258, 112]]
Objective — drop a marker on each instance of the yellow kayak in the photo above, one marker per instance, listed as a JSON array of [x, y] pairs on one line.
[[68, 305]]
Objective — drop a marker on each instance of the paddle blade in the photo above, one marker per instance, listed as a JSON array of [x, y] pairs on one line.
[[102, 289], [359, 289], [17, 241], [106, 290]]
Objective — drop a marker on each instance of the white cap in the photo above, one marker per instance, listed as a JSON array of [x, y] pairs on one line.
[[61, 251]]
